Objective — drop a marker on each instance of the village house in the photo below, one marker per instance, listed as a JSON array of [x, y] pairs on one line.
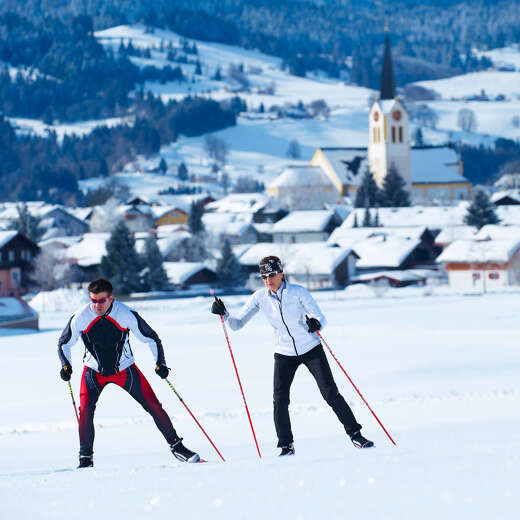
[[482, 264], [189, 275], [17, 253], [305, 226]]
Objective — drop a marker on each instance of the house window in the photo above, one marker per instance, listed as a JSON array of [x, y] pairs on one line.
[[15, 276], [476, 276], [494, 276], [393, 134], [400, 134], [10, 256]]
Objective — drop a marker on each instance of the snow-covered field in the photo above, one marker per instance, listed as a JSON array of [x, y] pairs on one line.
[[440, 371]]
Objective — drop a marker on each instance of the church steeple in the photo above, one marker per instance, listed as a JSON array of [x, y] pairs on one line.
[[387, 76]]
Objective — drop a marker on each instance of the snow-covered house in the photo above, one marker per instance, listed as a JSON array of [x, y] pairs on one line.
[[482, 264], [186, 275], [168, 215], [305, 226], [264, 209], [451, 233], [236, 227], [87, 253], [16, 313], [506, 198], [16, 255], [312, 264], [304, 188]]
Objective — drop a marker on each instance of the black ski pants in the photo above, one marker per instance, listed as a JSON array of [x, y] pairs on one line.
[[316, 362]]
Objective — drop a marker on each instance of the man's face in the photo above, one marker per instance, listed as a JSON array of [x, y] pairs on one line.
[[100, 302], [273, 283]]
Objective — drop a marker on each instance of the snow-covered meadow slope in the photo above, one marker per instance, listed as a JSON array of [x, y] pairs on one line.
[[441, 372]]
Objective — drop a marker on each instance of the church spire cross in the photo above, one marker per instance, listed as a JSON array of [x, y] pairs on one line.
[[387, 76]]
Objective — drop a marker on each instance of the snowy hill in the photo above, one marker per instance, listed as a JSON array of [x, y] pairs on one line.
[[446, 390]]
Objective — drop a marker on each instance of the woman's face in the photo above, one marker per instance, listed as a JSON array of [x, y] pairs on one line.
[[274, 282]]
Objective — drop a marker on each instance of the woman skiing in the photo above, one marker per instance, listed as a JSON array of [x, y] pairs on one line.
[[296, 318]]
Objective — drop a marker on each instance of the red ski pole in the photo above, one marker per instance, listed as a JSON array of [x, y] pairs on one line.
[[239, 382], [194, 418], [355, 387], [73, 401]]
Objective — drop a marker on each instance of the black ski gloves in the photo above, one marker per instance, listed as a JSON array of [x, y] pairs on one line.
[[218, 307], [313, 324], [162, 371], [66, 372]]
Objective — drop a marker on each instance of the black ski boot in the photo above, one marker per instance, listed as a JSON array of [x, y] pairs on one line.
[[287, 450], [86, 461], [182, 453], [360, 442]]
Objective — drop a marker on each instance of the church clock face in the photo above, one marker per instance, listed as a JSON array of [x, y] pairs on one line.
[[376, 116], [397, 115]]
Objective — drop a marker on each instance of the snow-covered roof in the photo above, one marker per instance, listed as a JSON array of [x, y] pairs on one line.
[[308, 257], [167, 243], [11, 308], [384, 251], [304, 221], [7, 236], [89, 250], [435, 164], [462, 251], [240, 203], [179, 272], [512, 194], [301, 176], [349, 164], [160, 211], [432, 164], [80, 213], [494, 231], [432, 217], [451, 233], [344, 234], [397, 275], [60, 241], [227, 223]]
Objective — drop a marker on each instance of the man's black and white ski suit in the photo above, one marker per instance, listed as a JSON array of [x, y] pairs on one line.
[[286, 311], [107, 348]]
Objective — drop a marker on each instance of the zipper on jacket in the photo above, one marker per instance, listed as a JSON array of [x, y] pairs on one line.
[[288, 332]]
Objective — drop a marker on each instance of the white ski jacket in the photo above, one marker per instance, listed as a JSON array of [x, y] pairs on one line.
[[286, 311]]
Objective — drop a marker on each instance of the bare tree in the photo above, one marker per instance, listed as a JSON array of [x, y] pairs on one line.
[[217, 150], [50, 271], [466, 120]]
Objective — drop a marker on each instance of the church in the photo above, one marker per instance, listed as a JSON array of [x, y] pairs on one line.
[[433, 174]]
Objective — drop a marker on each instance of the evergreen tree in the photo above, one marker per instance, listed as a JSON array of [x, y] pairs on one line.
[[163, 167], [229, 271], [195, 224], [355, 220], [376, 219], [182, 172], [368, 193], [27, 224], [122, 264], [367, 221], [481, 211], [154, 276], [394, 193]]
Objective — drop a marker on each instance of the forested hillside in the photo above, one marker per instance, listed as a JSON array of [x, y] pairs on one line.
[[431, 39]]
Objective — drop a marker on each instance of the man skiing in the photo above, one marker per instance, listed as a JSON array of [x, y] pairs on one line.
[[104, 325], [296, 318]]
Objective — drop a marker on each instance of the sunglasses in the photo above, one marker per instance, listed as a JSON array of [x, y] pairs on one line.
[[101, 300], [270, 275]]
